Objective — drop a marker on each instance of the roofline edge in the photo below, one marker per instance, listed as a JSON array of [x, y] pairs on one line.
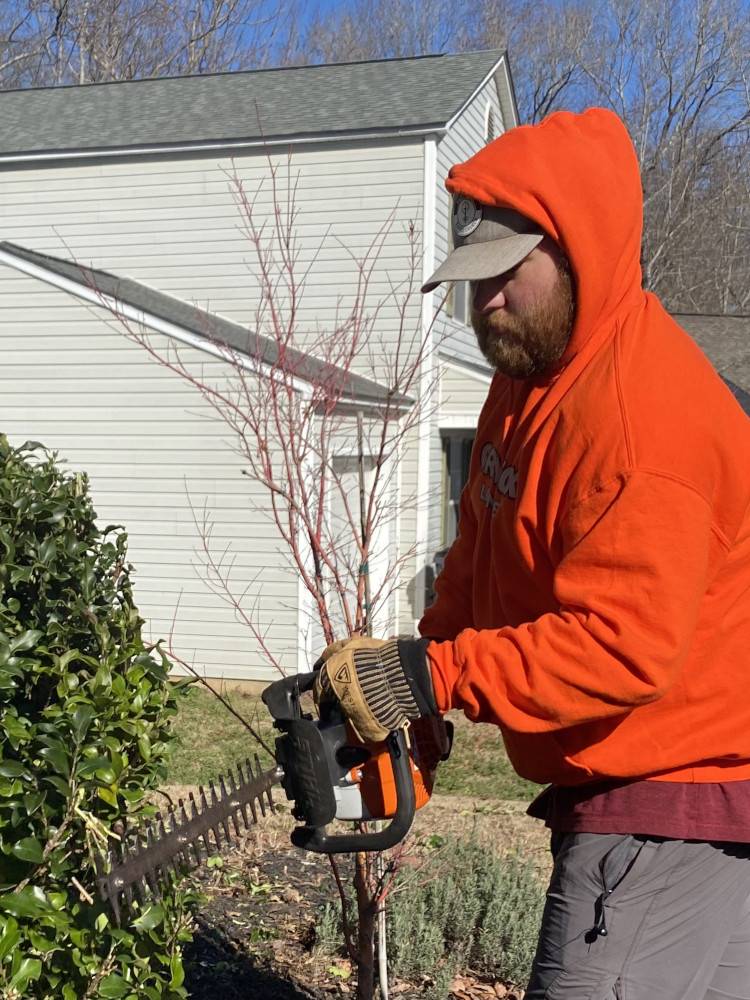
[[123, 151], [166, 327]]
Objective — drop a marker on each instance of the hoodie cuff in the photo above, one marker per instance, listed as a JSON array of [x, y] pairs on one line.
[[444, 673]]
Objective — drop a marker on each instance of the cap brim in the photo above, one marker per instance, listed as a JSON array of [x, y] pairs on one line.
[[477, 261]]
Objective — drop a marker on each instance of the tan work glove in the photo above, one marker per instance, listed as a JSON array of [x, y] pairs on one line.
[[381, 684]]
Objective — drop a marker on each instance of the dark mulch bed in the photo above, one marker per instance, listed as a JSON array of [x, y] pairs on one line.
[[217, 966], [256, 928], [255, 933]]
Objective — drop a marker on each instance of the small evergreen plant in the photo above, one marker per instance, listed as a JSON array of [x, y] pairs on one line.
[[85, 712], [466, 909]]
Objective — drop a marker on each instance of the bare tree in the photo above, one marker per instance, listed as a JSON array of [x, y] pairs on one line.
[[54, 42], [22, 43], [547, 43], [680, 84], [382, 29], [321, 430], [676, 71]]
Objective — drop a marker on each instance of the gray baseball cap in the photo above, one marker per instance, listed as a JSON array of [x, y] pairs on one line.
[[487, 241]]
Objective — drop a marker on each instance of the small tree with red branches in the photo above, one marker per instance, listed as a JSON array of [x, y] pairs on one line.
[[310, 412]]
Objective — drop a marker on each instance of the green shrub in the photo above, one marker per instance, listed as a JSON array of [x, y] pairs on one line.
[[85, 712]]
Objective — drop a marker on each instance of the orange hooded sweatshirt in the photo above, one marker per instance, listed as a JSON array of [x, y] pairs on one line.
[[596, 604]]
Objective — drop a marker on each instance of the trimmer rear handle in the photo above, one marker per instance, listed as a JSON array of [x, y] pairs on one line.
[[320, 771], [316, 838]]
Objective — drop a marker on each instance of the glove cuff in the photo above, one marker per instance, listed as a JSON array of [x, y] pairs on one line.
[[416, 668]]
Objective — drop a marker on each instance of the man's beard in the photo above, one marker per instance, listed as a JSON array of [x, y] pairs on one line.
[[531, 343]]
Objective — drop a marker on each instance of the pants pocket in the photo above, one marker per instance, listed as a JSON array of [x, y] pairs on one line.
[[580, 956], [613, 869]]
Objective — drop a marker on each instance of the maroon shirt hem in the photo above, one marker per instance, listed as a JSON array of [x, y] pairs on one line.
[[710, 811]]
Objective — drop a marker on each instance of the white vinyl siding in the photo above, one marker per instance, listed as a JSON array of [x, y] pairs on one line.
[[173, 223], [456, 340], [152, 448], [462, 395], [411, 506], [465, 138]]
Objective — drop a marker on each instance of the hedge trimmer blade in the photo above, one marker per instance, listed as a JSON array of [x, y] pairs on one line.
[[171, 844]]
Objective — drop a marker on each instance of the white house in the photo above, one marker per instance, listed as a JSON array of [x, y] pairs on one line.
[[125, 189]]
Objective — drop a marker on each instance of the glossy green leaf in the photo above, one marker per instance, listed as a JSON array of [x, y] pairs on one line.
[[58, 758], [16, 730], [41, 943], [91, 765], [28, 849], [12, 769], [29, 902], [28, 970], [151, 917], [113, 986], [33, 801], [82, 719], [26, 641], [9, 938], [107, 795], [178, 972]]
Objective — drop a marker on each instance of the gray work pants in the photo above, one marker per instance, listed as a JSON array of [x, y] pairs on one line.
[[640, 918]]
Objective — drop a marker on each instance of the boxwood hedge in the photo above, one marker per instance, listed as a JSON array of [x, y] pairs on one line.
[[85, 710]]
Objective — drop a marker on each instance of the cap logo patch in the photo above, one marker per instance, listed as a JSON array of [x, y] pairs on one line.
[[467, 214]]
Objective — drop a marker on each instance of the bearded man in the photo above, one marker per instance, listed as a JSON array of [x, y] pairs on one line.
[[596, 603]]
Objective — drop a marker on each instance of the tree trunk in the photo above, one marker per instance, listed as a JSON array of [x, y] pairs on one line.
[[365, 927]]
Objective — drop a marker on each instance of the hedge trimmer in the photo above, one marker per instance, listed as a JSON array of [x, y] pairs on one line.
[[322, 767]]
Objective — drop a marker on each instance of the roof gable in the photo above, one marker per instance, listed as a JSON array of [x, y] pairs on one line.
[[347, 99]]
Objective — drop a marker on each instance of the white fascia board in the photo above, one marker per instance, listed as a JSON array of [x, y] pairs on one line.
[[477, 90], [224, 147], [509, 98], [350, 407], [140, 317]]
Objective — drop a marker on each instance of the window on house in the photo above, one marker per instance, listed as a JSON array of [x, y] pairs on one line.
[[457, 301], [456, 457]]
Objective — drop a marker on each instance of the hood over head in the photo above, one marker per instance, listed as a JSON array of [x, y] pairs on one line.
[[576, 177]]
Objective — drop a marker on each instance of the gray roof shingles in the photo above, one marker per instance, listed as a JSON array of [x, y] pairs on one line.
[[342, 385], [346, 98], [726, 341]]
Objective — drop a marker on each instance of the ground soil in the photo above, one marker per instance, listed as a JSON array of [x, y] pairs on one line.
[[255, 934]]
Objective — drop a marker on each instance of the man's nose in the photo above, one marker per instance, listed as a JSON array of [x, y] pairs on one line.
[[489, 294]]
